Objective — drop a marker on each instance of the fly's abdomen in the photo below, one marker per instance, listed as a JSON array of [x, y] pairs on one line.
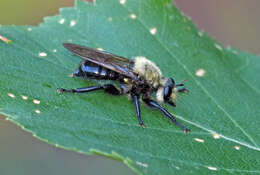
[[91, 70]]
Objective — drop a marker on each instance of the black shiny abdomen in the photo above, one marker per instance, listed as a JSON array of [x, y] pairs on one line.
[[91, 70]]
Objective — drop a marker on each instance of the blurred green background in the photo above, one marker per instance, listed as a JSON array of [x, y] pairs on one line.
[[233, 22]]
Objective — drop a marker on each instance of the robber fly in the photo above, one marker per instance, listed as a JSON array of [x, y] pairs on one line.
[[138, 78]]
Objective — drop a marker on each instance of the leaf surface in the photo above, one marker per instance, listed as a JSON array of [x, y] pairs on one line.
[[222, 108]]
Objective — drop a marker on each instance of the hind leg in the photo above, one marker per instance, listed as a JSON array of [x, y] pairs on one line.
[[108, 88]]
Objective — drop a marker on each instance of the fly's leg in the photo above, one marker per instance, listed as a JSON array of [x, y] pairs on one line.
[[135, 99], [181, 83], [111, 89], [171, 103], [108, 88], [183, 89], [80, 90], [154, 104]]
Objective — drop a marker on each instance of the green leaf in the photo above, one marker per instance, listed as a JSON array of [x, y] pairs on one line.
[[222, 108]]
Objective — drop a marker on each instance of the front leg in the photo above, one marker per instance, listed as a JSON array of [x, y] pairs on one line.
[[154, 104], [135, 99], [183, 89]]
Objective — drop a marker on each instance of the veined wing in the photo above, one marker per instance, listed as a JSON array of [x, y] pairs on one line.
[[110, 61]]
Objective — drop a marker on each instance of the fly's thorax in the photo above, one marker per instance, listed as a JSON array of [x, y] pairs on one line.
[[163, 81], [159, 94], [147, 70]]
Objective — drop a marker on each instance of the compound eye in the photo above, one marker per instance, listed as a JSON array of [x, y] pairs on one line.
[[171, 82], [168, 89], [167, 93]]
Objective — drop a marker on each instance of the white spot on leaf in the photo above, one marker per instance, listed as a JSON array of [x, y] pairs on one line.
[[122, 1], [54, 50], [42, 54], [29, 29], [200, 33], [142, 164], [37, 111], [199, 140], [11, 95], [72, 23], [212, 168], [133, 16], [216, 136], [153, 31], [177, 167], [200, 72], [218, 46], [237, 147], [36, 101], [62, 21], [24, 97]]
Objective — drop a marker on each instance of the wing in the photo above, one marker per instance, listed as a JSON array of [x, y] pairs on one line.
[[110, 61]]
